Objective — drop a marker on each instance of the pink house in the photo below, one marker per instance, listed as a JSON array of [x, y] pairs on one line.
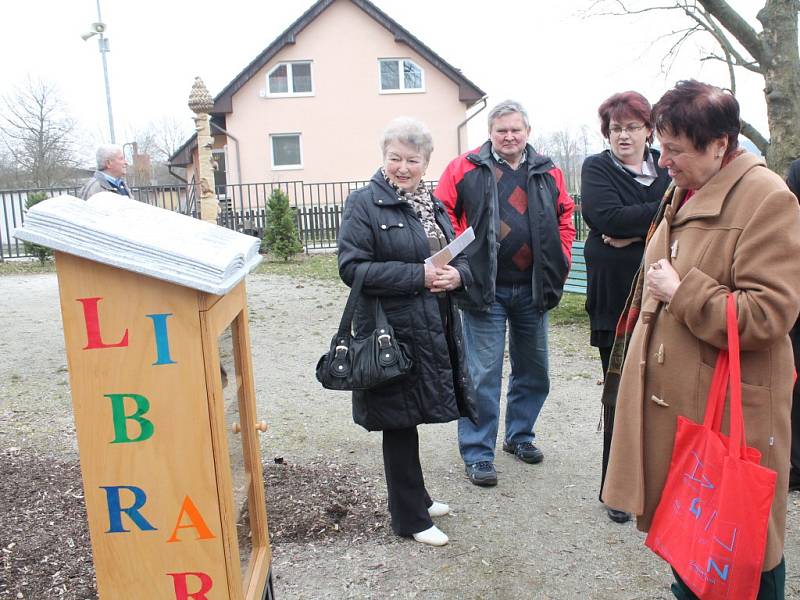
[[312, 105]]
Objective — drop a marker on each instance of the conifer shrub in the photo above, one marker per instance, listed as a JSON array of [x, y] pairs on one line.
[[281, 238], [40, 252]]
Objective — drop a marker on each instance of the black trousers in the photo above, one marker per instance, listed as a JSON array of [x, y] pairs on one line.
[[608, 418], [794, 473], [408, 499], [773, 585]]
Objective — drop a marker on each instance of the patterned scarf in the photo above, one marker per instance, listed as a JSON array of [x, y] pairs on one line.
[[630, 314], [420, 200]]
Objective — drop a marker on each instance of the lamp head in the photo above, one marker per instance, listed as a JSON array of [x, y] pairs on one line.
[[94, 29]]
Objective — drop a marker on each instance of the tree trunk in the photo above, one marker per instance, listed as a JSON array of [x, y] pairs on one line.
[[775, 50], [780, 64]]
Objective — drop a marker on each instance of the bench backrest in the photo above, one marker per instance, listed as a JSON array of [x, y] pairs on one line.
[[576, 280]]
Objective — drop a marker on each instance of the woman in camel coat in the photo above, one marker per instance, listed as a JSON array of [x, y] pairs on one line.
[[730, 226]]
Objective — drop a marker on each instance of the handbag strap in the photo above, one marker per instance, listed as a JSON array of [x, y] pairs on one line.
[[346, 322]]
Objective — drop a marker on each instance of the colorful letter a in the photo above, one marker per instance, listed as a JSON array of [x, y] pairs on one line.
[[196, 522]]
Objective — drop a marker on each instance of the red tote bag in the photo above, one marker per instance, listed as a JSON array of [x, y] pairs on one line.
[[711, 521]]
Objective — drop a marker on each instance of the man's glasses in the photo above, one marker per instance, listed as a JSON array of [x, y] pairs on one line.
[[616, 129]]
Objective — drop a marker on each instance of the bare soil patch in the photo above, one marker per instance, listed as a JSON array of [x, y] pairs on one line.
[[46, 551]]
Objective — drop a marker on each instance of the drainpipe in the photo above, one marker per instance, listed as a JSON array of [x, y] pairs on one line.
[[467, 120], [236, 143]]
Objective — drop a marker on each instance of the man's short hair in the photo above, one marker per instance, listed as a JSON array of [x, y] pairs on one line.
[[507, 107], [105, 153]]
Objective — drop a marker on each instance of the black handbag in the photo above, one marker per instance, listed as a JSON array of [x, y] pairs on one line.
[[362, 363]]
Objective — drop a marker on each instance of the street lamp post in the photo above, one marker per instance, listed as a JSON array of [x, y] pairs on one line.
[[98, 28]]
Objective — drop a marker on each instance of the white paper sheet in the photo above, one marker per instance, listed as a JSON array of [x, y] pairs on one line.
[[453, 249]]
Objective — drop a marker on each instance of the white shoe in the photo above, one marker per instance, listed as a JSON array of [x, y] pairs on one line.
[[438, 509], [433, 537]]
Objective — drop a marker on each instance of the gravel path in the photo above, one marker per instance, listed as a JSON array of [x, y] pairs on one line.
[[541, 533]]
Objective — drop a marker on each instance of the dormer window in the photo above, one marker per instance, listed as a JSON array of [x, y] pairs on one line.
[[290, 79], [399, 75]]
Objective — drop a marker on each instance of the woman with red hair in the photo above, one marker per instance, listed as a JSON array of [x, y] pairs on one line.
[[728, 226], [620, 191]]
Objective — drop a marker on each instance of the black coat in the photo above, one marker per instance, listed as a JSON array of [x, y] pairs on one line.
[[383, 231], [614, 203]]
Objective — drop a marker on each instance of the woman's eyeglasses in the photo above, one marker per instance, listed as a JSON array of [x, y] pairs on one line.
[[616, 129]]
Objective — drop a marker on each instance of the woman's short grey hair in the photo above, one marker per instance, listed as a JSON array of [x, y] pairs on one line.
[[410, 132], [507, 107], [105, 153]]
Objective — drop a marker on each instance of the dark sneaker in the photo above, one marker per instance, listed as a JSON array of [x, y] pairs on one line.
[[482, 473], [525, 451]]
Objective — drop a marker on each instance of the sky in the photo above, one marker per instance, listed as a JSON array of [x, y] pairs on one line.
[[558, 61]]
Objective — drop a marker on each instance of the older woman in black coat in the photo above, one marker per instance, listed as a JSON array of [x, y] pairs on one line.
[[620, 191], [392, 225]]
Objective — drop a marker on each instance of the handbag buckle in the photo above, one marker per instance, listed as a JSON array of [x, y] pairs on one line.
[[342, 349], [384, 340]]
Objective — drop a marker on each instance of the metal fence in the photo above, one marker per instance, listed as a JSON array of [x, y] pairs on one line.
[[318, 208]]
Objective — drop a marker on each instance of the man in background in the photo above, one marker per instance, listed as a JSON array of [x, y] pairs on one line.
[[109, 177], [516, 203]]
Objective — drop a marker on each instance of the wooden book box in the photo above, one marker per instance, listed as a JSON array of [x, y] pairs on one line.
[[164, 402]]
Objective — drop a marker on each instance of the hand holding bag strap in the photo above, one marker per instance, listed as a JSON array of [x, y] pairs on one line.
[[737, 433]]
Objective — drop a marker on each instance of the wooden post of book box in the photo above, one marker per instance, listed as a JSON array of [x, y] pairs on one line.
[[162, 390]]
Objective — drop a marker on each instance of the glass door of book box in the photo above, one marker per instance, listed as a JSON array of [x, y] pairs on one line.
[[245, 498]]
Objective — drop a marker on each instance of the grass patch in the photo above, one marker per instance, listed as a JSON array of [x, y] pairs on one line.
[[314, 266], [570, 311], [26, 267]]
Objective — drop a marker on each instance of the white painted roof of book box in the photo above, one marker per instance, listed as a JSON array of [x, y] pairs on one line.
[[131, 235]]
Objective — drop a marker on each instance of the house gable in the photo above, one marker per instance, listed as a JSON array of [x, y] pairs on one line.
[[469, 93], [330, 133]]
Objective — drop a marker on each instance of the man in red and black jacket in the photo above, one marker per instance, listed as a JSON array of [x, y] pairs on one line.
[[516, 203]]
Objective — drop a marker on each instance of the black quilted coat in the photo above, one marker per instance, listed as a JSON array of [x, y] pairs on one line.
[[383, 231]]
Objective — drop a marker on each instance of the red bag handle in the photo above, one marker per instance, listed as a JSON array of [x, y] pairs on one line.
[[715, 405], [728, 371], [737, 433]]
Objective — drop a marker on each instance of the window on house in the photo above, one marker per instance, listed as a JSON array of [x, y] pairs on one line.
[[286, 151], [290, 79], [401, 75]]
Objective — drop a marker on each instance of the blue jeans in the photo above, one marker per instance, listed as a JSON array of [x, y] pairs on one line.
[[529, 382]]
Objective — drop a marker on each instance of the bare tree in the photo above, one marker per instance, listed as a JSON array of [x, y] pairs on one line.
[[160, 139], [38, 134], [771, 52], [152, 145]]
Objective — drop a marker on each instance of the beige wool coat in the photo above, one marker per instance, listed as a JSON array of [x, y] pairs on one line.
[[740, 232]]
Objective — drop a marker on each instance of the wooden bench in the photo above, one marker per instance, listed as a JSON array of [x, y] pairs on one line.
[[576, 280]]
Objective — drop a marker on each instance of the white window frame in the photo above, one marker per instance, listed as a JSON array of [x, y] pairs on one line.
[[272, 151], [290, 80], [402, 89]]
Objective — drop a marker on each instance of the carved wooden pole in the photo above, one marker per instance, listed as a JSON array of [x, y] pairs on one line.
[[200, 103]]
